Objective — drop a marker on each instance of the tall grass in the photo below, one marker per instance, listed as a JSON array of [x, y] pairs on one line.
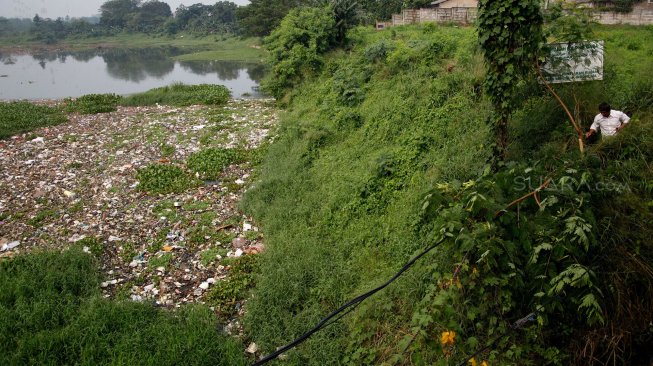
[[51, 313]]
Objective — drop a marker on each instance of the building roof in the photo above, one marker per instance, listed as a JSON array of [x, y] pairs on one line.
[[438, 2]]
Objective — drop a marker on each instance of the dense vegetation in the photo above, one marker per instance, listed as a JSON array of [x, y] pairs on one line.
[[384, 149], [51, 312]]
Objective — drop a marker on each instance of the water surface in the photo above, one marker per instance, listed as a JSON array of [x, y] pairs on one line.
[[72, 74]]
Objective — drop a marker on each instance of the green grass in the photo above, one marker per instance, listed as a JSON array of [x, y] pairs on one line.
[[226, 293], [51, 313], [181, 95], [20, 117]]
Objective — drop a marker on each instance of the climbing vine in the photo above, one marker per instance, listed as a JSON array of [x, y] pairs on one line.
[[510, 34]]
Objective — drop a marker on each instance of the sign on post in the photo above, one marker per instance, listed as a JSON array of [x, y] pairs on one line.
[[570, 62]]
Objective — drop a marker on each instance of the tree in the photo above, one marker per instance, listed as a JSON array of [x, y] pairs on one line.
[[346, 14], [260, 17], [510, 35], [296, 47], [150, 16], [116, 13], [383, 9]]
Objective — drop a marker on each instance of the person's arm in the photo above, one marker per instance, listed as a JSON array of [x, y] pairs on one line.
[[624, 119], [593, 129]]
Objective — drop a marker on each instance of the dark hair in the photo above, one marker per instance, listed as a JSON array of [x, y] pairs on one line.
[[604, 107]]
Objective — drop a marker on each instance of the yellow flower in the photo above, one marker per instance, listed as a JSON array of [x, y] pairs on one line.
[[484, 363], [448, 338], [472, 361]]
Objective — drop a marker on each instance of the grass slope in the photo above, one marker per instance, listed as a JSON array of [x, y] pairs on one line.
[[341, 189], [395, 116]]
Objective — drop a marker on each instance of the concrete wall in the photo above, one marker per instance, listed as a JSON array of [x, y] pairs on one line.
[[642, 14], [458, 4], [412, 16]]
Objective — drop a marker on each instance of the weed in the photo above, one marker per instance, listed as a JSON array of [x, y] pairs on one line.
[[93, 103], [94, 245], [74, 165], [225, 237], [76, 207], [181, 95], [208, 256], [41, 216], [70, 138], [160, 261], [166, 149], [227, 293], [209, 163], [252, 235], [127, 252], [163, 178], [196, 206], [19, 117]]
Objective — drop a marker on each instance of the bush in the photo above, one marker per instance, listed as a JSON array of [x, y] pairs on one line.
[[20, 117], [164, 178], [296, 47], [182, 95], [93, 103], [209, 163]]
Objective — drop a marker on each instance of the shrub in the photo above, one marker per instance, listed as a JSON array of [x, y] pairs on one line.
[[182, 95], [377, 52], [164, 178], [209, 163], [296, 47], [93, 103], [20, 117]]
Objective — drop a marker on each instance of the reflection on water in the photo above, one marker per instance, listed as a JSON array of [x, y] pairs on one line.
[[121, 71]]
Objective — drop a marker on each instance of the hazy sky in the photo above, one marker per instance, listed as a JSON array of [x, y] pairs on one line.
[[74, 8]]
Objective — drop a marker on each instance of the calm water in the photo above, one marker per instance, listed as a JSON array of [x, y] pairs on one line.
[[119, 71]]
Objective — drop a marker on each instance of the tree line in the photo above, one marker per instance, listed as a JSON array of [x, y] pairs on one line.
[[258, 18]]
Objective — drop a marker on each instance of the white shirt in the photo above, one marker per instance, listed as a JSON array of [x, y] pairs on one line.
[[608, 125]]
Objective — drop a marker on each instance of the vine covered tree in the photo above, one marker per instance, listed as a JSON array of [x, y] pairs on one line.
[[510, 34]]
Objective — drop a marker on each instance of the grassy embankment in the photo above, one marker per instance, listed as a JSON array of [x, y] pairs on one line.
[[368, 169], [206, 48]]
